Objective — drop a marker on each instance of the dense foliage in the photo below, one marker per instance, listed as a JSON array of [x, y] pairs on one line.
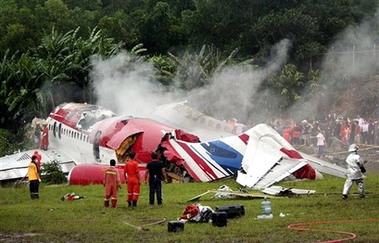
[[52, 173], [47, 45]]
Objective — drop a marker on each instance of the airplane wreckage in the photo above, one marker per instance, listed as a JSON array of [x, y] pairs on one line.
[[83, 138]]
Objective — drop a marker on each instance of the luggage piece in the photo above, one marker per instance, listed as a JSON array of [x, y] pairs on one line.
[[232, 211], [175, 226], [219, 219]]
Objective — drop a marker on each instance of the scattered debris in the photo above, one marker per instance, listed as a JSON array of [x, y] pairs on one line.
[[71, 197], [143, 226], [224, 192], [196, 213], [140, 228], [288, 192], [175, 226], [264, 216]]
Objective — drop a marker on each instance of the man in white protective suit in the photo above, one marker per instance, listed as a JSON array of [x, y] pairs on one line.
[[355, 169]]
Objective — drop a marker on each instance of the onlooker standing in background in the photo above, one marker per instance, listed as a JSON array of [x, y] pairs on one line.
[[320, 144]]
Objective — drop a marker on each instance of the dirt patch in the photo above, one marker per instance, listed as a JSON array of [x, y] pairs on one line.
[[18, 237]]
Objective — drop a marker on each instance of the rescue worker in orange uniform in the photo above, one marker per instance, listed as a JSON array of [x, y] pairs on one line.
[[39, 157], [111, 183], [34, 178], [45, 137], [131, 172]]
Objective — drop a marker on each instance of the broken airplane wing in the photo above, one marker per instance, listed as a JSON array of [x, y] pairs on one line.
[[16, 165]]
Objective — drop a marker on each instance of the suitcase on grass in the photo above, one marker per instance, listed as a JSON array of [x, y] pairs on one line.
[[175, 226], [219, 219], [232, 211]]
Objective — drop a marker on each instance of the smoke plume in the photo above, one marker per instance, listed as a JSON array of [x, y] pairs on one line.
[[126, 85]]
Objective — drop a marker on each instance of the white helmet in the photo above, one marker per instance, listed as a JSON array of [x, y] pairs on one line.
[[353, 148]]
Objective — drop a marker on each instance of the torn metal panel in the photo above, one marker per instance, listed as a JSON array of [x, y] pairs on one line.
[[279, 172], [282, 191], [233, 194], [119, 137]]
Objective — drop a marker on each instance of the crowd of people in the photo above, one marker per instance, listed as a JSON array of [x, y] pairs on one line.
[[333, 129]]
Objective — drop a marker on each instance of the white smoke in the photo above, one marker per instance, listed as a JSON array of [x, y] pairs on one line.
[[353, 56], [232, 91], [126, 85]]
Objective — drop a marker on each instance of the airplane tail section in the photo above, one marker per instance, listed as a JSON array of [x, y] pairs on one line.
[[269, 158]]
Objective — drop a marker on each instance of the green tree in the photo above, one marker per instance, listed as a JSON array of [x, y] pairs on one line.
[[289, 83], [121, 27], [158, 30], [37, 81]]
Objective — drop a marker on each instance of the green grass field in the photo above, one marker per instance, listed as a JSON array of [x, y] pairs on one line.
[[52, 220]]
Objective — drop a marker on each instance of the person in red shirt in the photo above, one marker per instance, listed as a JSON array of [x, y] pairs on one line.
[[111, 183], [38, 157], [131, 172], [45, 137]]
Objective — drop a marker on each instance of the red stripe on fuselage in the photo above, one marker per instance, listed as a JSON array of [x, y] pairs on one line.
[[202, 164]]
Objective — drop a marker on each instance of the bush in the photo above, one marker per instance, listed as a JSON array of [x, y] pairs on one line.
[[52, 173]]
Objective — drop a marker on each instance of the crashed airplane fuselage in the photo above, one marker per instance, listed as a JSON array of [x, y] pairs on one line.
[[88, 136]]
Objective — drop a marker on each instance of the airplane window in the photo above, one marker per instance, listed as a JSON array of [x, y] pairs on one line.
[[59, 130], [218, 126], [54, 129], [81, 137], [96, 146], [210, 123]]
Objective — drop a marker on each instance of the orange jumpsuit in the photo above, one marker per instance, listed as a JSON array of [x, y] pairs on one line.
[[132, 169], [39, 157], [112, 184], [45, 138]]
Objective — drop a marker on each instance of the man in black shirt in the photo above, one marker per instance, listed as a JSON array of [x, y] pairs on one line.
[[155, 173]]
